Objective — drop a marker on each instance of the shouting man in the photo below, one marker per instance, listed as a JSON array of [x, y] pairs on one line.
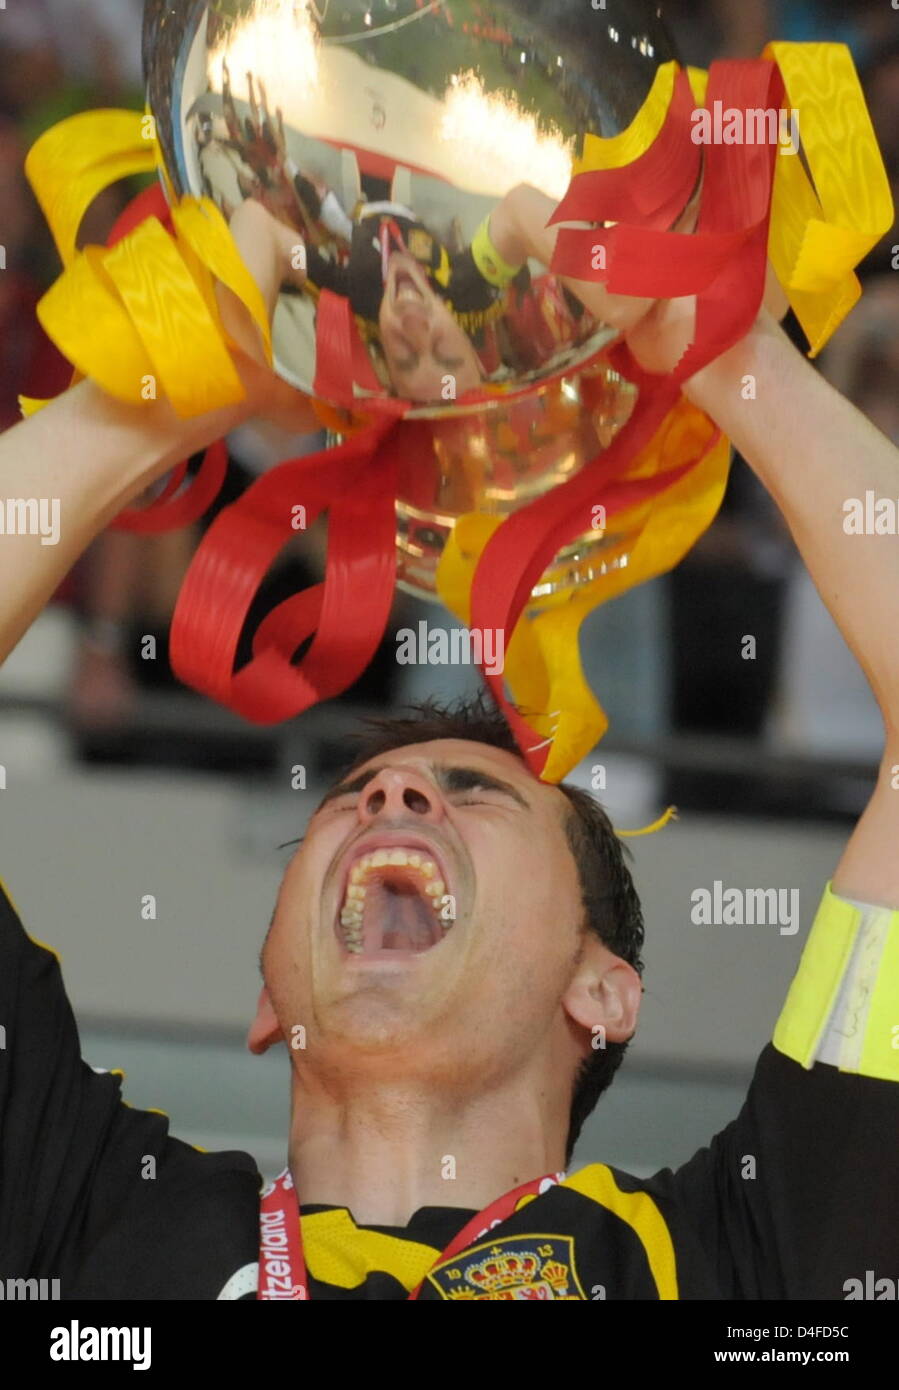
[[453, 936]]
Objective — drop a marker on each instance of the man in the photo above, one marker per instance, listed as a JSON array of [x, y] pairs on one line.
[[450, 983]]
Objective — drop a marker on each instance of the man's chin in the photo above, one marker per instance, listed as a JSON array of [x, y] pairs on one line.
[[373, 1024]]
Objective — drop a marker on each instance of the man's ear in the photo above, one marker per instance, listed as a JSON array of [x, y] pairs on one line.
[[265, 1030], [604, 993]]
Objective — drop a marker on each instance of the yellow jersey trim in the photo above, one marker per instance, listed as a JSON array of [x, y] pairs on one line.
[[340, 1253], [640, 1212]]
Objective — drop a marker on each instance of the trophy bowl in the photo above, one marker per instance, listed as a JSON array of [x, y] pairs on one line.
[[412, 155]]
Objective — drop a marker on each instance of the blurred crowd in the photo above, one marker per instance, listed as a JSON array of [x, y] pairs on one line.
[[58, 57]]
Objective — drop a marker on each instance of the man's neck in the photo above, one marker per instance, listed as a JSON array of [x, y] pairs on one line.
[[393, 1150]]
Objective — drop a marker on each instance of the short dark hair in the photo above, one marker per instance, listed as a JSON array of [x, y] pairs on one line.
[[611, 906]]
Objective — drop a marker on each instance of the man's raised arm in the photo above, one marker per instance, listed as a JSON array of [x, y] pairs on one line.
[[814, 452], [796, 1199]]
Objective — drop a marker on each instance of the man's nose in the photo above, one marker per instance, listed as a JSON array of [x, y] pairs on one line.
[[396, 792], [416, 322]]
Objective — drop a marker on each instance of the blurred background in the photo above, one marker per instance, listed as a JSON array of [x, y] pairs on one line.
[[115, 782]]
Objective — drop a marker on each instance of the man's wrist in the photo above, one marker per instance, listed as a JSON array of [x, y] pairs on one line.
[[761, 353], [137, 445]]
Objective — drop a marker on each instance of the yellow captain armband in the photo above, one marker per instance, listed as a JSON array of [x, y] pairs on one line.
[[843, 1004], [489, 262]]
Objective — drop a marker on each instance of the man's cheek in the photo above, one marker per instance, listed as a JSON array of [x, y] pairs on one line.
[[508, 931]]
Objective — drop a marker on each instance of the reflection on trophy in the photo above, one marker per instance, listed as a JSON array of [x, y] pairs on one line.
[[420, 157], [413, 156], [439, 315]]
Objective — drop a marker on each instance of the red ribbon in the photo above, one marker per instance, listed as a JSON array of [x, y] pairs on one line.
[[345, 615], [650, 191], [341, 357], [150, 203], [735, 209]]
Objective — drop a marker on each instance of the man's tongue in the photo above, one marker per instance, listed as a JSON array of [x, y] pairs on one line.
[[397, 918]]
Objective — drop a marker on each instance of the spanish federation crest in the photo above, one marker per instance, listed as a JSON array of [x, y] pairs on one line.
[[514, 1267], [420, 244]]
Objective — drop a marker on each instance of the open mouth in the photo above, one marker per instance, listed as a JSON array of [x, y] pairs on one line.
[[406, 287], [393, 902]]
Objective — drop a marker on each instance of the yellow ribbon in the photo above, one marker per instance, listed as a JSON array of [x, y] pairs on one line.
[[75, 160], [140, 318], [615, 151], [543, 667], [821, 230], [668, 815]]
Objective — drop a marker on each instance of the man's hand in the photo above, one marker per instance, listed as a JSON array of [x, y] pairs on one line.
[[274, 254], [519, 231], [662, 337]]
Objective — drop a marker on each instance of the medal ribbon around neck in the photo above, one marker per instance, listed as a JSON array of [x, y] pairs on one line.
[[282, 1265]]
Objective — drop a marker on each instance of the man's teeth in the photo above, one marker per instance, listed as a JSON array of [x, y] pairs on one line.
[[354, 899]]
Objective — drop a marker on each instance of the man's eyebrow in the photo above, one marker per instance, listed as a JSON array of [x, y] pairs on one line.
[[453, 778], [449, 777]]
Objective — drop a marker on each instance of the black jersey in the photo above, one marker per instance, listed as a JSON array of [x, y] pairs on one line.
[[795, 1199]]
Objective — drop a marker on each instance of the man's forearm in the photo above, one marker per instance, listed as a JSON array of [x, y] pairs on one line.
[[93, 455], [814, 451]]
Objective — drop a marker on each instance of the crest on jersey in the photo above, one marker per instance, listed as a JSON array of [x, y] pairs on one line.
[[514, 1267]]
